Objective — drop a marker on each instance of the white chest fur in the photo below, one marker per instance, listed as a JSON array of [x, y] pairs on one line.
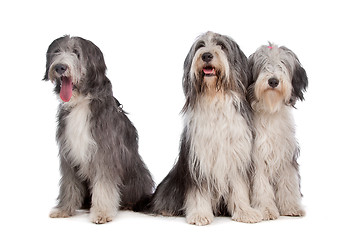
[[220, 140], [79, 142], [275, 139]]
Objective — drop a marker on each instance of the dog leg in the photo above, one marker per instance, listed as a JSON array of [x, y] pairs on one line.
[[198, 208], [262, 196], [239, 203], [288, 196], [105, 201], [72, 192]]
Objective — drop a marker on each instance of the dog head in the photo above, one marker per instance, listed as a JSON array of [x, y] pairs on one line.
[[75, 65], [277, 78], [214, 64]]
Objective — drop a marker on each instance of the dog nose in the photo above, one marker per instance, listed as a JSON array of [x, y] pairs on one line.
[[207, 57], [60, 68], [273, 82]]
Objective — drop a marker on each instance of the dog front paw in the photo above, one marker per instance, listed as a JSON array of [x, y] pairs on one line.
[[293, 212], [100, 217], [270, 213], [59, 213], [248, 216], [199, 219]]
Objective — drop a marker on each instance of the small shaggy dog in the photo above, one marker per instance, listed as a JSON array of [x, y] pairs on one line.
[[210, 176], [278, 80], [98, 145]]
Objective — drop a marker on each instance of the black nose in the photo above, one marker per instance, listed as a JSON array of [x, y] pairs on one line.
[[207, 57], [60, 68], [273, 82]]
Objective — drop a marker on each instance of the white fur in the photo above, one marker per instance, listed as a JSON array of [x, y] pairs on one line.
[[276, 189], [220, 141], [275, 138], [199, 207], [79, 142], [219, 61], [271, 100], [276, 183], [105, 201], [275, 63]]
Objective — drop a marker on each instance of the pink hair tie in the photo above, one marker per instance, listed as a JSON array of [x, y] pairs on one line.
[[270, 47]]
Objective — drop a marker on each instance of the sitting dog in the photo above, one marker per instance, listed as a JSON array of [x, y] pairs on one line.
[[98, 145], [210, 176], [278, 81]]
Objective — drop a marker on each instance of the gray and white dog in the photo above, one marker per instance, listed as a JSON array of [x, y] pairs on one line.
[[98, 145], [210, 176], [278, 81]]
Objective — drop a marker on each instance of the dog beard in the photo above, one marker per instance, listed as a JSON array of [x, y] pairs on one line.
[[272, 100]]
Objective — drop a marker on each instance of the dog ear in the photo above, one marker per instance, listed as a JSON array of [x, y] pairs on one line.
[[46, 75], [244, 64], [251, 68], [188, 84], [250, 91], [48, 63], [255, 66], [299, 79], [96, 67], [95, 57], [186, 76], [48, 59], [239, 63], [299, 83]]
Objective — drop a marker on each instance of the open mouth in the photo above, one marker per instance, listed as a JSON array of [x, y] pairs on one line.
[[209, 71], [66, 88]]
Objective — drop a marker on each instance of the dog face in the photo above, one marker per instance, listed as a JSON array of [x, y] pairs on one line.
[[277, 78], [214, 63], [74, 65]]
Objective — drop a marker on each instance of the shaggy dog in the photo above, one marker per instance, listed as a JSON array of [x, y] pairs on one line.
[[210, 176], [98, 145], [278, 80]]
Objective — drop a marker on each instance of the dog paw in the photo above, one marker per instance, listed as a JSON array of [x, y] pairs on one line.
[[199, 220], [270, 213], [249, 216], [58, 213], [167, 214], [100, 217], [293, 212]]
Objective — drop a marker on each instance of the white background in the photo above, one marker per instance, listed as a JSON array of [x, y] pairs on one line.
[[145, 44]]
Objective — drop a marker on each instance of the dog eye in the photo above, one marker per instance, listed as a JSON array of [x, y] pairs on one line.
[[199, 45], [222, 45], [57, 51], [77, 53]]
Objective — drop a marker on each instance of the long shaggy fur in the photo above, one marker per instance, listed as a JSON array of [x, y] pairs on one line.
[[210, 176], [277, 81], [98, 145]]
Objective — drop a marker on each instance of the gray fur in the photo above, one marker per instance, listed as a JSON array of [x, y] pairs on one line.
[[112, 160], [238, 79], [210, 175], [275, 178], [261, 58]]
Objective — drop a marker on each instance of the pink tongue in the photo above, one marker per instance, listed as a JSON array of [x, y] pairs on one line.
[[208, 71], [66, 89]]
